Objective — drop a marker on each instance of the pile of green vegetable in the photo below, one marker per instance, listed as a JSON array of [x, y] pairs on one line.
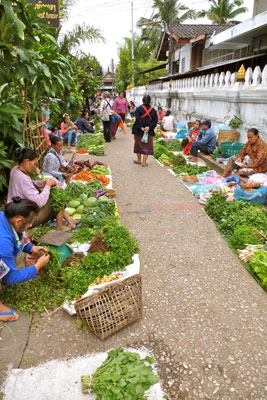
[[100, 169], [57, 283], [178, 160], [173, 144], [93, 143], [123, 375], [159, 149], [242, 223], [121, 248], [189, 169]]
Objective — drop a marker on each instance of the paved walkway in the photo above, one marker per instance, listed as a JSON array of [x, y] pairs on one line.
[[204, 315]]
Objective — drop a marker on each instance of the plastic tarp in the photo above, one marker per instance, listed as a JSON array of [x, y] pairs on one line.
[[61, 379]]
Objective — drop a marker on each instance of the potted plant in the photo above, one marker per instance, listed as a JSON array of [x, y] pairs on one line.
[[231, 135]]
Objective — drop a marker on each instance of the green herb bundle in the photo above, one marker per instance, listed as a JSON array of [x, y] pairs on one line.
[[259, 265], [189, 169], [58, 198], [123, 375], [174, 145]]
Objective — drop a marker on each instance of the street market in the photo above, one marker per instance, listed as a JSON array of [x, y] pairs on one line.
[[133, 235]]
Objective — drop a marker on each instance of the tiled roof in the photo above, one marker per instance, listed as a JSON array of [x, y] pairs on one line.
[[190, 31]]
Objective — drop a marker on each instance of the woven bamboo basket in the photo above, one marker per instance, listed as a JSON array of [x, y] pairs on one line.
[[227, 136], [112, 308]]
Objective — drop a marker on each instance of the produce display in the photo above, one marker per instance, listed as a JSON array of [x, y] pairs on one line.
[[190, 169], [82, 151], [123, 375], [159, 149], [100, 169], [243, 224], [172, 144], [93, 143], [178, 160], [105, 279], [87, 176], [112, 247]]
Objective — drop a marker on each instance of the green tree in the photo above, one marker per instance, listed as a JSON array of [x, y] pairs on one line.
[[224, 12], [179, 14], [69, 41]]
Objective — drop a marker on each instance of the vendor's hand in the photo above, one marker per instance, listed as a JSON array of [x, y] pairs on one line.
[[38, 249], [51, 182], [42, 261]]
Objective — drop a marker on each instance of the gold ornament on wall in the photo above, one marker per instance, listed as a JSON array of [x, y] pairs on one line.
[[170, 83], [240, 77]]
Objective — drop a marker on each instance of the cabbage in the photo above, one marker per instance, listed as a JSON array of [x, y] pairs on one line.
[[74, 204], [80, 209], [83, 196], [70, 210], [76, 216]]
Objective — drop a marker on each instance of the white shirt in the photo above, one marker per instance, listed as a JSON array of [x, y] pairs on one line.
[[168, 123], [105, 104]]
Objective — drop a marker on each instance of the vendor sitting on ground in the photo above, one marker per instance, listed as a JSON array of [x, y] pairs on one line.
[[160, 114], [193, 135], [54, 160], [206, 144], [68, 130], [22, 185], [83, 124], [14, 221], [168, 122], [252, 158]]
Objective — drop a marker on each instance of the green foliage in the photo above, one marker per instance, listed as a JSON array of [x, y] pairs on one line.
[[243, 235], [189, 169], [57, 198], [159, 149], [123, 375], [229, 215], [174, 145], [259, 265], [4, 164], [121, 248], [178, 160], [224, 12]]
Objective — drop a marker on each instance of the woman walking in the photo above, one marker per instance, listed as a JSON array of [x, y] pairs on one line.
[[120, 106], [105, 115], [143, 131]]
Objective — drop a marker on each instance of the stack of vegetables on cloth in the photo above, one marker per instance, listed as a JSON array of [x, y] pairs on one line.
[[40, 192], [14, 221]]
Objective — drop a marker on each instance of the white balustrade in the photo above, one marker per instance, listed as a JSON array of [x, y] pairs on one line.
[[264, 76], [248, 77], [228, 79], [256, 77], [222, 79]]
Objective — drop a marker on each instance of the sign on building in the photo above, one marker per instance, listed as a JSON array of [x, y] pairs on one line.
[[51, 15]]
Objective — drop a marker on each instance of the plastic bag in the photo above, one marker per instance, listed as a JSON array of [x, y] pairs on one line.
[[257, 196], [145, 137]]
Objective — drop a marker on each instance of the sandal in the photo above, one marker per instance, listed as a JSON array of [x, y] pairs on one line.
[[136, 162], [144, 165], [11, 312]]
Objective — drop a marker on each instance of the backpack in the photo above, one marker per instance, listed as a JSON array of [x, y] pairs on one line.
[[104, 114]]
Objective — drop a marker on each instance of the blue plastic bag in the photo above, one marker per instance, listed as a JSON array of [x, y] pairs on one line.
[[257, 196], [181, 134], [180, 125]]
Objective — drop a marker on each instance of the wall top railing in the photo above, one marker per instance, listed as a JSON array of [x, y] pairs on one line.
[[256, 77]]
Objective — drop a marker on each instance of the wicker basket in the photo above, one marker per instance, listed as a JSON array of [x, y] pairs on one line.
[[112, 308], [227, 136]]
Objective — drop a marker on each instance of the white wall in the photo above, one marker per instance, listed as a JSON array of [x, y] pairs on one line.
[[213, 97]]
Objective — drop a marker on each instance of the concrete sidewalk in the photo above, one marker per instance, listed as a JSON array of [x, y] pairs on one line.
[[204, 315]]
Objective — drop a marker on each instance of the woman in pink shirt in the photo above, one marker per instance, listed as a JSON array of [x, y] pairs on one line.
[[161, 114], [120, 106], [21, 185], [68, 130]]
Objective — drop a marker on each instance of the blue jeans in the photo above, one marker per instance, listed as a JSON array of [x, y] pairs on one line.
[[199, 146], [70, 136]]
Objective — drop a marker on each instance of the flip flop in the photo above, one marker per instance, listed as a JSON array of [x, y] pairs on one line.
[[144, 165], [136, 162], [9, 313]]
